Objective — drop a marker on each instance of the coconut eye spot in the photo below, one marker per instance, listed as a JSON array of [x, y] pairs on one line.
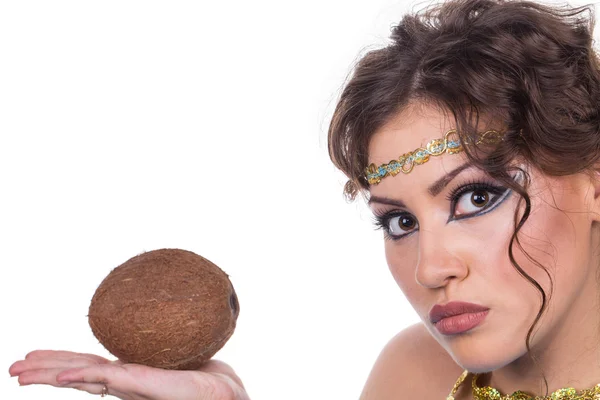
[[233, 303]]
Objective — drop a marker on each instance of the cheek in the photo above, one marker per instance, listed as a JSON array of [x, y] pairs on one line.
[[559, 242], [490, 267], [401, 261]]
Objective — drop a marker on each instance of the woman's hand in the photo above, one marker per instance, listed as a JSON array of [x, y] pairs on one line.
[[215, 380]]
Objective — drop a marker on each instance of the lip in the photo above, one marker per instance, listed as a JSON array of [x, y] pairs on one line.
[[457, 317], [460, 323], [453, 308]]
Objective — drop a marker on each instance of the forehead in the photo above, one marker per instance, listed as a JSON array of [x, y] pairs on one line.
[[406, 131]]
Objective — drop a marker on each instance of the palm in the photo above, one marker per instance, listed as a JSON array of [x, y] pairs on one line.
[[211, 383], [215, 380]]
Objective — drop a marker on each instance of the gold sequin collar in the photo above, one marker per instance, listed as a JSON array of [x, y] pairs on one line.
[[489, 393]]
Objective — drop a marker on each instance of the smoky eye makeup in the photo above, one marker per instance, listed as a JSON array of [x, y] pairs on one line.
[[474, 197], [395, 224]]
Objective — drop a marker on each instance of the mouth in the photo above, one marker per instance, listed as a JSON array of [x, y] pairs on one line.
[[457, 317], [460, 323]]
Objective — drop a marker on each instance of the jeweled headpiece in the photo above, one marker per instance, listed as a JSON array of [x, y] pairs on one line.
[[450, 144]]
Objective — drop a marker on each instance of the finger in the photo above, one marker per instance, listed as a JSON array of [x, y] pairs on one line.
[[48, 377], [43, 363], [112, 374], [92, 388], [140, 381], [40, 376], [64, 355]]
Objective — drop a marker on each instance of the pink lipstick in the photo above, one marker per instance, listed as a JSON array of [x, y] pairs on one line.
[[457, 317]]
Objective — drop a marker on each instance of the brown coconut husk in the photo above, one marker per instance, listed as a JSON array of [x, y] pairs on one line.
[[165, 308]]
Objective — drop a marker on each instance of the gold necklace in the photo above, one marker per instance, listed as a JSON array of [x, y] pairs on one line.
[[489, 393], [460, 380]]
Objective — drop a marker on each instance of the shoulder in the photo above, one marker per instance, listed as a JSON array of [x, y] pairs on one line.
[[412, 364]]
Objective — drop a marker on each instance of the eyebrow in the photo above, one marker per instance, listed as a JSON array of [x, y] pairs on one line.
[[439, 185], [434, 189]]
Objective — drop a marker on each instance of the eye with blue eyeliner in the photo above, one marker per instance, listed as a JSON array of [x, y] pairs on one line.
[[477, 198], [485, 196]]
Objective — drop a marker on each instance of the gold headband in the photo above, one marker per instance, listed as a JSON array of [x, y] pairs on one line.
[[435, 147]]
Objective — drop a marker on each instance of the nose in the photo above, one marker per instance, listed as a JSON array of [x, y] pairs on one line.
[[438, 262]]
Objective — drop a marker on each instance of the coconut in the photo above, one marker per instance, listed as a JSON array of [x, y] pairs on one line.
[[165, 308]]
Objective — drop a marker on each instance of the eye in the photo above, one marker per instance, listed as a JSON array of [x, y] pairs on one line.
[[477, 199], [396, 225], [473, 201], [401, 224]]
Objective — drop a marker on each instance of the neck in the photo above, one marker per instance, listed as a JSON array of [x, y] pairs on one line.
[[568, 357]]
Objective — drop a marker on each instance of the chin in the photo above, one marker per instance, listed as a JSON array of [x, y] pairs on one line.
[[482, 353], [479, 363]]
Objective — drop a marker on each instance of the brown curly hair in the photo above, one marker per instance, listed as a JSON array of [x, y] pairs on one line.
[[529, 65]]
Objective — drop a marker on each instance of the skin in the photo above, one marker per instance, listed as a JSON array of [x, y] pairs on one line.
[[466, 259]]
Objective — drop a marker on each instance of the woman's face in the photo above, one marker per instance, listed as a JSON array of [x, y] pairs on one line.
[[447, 237]]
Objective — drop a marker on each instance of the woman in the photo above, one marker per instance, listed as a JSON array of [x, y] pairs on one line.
[[490, 207]]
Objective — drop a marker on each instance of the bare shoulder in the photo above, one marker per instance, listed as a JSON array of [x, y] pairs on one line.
[[412, 365]]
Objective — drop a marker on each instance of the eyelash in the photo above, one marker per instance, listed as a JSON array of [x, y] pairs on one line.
[[381, 221]]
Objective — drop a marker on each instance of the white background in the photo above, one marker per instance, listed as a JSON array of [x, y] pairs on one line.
[[128, 126]]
